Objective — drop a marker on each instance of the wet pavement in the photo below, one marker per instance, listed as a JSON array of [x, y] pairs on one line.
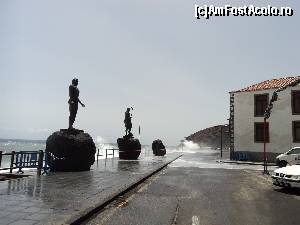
[[207, 158], [197, 190], [61, 198]]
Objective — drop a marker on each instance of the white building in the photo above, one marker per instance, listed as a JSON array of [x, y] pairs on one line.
[[247, 107]]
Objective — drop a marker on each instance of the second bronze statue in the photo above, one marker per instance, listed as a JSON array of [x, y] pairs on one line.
[[127, 121]]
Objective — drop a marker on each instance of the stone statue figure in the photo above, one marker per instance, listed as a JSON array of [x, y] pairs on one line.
[[127, 121], [73, 101]]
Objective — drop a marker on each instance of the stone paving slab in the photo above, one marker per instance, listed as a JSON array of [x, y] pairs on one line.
[[62, 197]]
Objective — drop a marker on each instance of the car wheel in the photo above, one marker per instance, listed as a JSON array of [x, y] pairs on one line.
[[282, 163]]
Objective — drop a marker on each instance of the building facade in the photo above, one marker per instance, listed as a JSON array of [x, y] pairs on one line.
[[247, 108]]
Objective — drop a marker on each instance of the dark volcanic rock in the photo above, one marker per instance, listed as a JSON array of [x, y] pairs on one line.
[[129, 147], [211, 137], [70, 150], [158, 148]]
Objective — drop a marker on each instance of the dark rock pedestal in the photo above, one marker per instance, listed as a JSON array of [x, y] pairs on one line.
[[129, 147], [158, 148], [70, 150]]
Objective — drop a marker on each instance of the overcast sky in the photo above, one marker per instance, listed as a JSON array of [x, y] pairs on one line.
[[174, 70]]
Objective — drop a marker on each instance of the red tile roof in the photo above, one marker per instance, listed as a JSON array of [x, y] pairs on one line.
[[271, 84]]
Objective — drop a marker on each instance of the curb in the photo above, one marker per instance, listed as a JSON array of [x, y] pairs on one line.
[[86, 214], [246, 163]]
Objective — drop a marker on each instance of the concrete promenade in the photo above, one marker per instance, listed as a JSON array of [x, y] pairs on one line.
[[62, 198], [197, 190]]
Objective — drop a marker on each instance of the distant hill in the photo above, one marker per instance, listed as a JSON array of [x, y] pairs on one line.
[[211, 137]]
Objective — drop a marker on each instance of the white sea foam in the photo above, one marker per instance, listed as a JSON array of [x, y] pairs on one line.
[[185, 147], [191, 145], [102, 145]]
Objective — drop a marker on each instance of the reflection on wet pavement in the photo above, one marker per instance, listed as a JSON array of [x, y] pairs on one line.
[[196, 189], [58, 197]]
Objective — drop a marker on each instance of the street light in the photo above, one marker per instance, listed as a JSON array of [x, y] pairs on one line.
[[267, 115], [221, 147]]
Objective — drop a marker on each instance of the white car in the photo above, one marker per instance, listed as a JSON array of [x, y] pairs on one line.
[[288, 176], [291, 157]]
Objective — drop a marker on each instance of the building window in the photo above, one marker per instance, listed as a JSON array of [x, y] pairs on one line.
[[259, 132], [296, 131], [296, 102], [260, 104]]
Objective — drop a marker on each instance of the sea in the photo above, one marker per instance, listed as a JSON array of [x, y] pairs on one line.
[[9, 145]]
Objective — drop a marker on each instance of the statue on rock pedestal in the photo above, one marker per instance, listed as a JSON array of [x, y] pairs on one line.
[[129, 147], [70, 149]]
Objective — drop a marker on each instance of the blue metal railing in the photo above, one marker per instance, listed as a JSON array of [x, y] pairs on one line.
[[37, 159], [26, 159]]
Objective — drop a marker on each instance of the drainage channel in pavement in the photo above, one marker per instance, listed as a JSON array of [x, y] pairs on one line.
[[120, 199]]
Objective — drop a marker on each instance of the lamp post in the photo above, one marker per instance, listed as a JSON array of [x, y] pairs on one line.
[[265, 153], [267, 115], [221, 147]]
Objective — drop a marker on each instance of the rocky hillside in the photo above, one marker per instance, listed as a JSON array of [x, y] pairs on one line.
[[211, 137]]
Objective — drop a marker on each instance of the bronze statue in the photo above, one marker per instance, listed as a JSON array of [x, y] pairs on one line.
[[73, 101], [127, 121], [129, 147]]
